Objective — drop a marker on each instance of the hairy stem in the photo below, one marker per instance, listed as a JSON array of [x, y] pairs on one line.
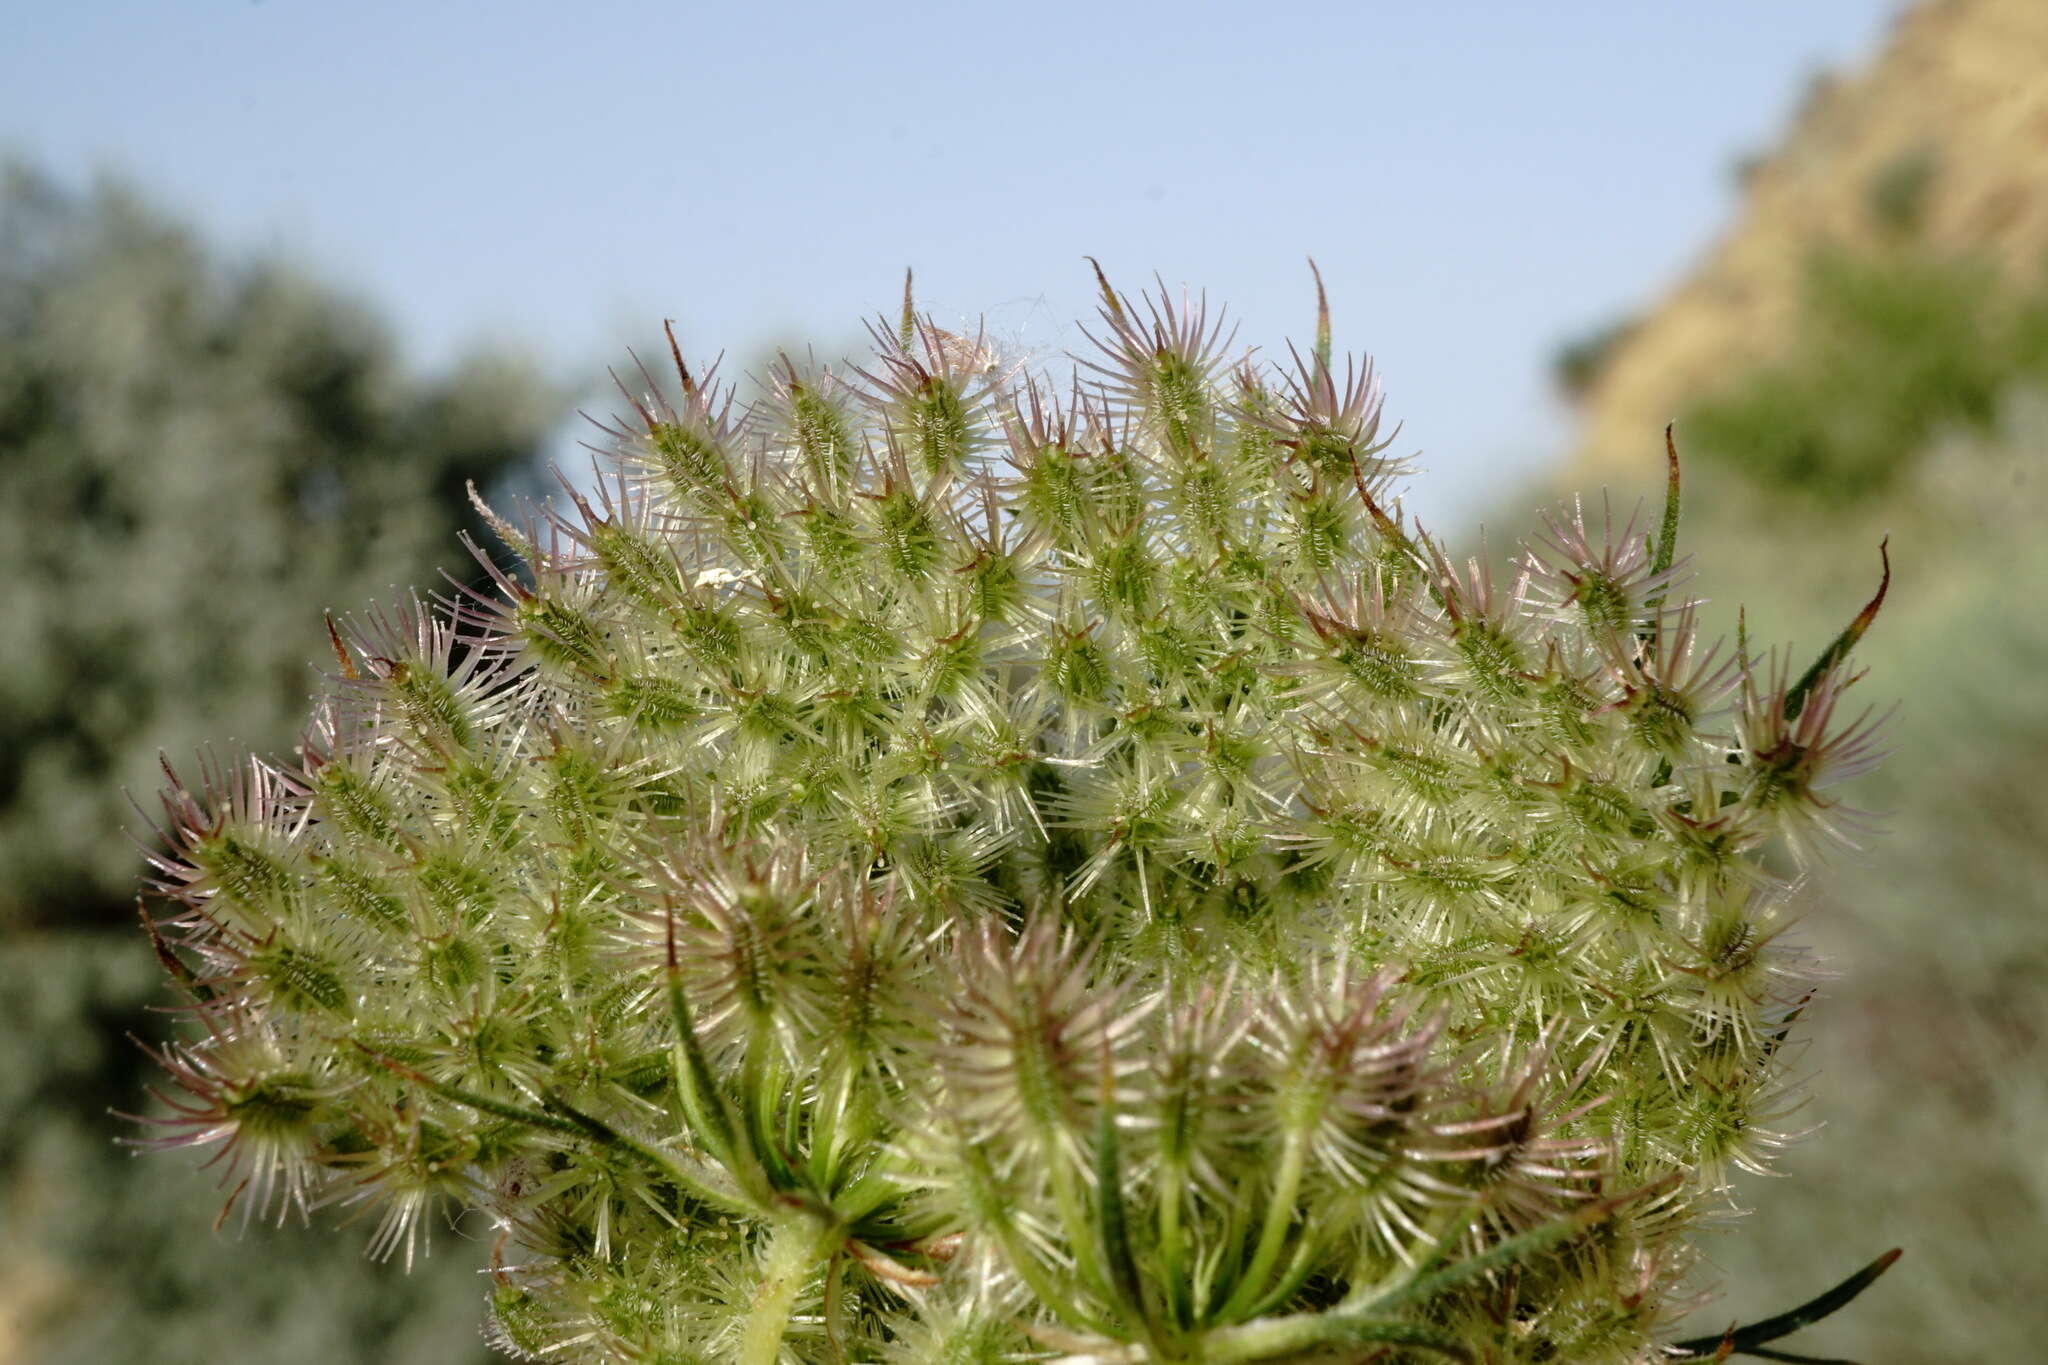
[[796, 1248]]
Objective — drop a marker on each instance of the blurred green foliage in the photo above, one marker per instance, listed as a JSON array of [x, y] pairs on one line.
[[1898, 194], [196, 455], [1578, 364], [1889, 352], [196, 458]]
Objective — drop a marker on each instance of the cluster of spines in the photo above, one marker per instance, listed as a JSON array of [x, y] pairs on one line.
[[1072, 865]]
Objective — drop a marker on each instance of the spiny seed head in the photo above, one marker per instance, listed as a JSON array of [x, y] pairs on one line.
[[943, 865]]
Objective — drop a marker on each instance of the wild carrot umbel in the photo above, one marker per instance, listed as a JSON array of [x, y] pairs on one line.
[[937, 866]]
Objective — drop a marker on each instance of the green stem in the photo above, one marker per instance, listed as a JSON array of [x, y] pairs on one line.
[[1306, 1333], [1273, 1235], [995, 1209], [1298, 1271], [1074, 1214], [1172, 1248], [796, 1248]]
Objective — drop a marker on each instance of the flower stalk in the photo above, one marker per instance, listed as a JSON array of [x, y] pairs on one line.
[[799, 1247]]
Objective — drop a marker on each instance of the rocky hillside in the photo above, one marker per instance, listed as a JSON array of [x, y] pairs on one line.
[[1941, 144]]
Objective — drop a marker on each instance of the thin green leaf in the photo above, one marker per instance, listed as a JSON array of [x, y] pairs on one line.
[[696, 1184], [1427, 1286], [1795, 699], [1746, 1340], [1667, 534], [483, 1104], [761, 1086], [1666, 549]]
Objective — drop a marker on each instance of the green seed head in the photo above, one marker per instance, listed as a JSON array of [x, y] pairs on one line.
[[936, 867]]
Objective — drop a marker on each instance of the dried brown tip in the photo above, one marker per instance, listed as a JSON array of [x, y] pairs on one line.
[[668, 327], [170, 961], [1865, 617], [1109, 298], [1322, 317], [348, 667]]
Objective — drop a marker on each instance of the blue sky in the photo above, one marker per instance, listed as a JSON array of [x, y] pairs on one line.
[[1478, 180]]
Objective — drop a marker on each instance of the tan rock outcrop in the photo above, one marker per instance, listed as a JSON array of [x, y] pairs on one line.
[[1941, 143]]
